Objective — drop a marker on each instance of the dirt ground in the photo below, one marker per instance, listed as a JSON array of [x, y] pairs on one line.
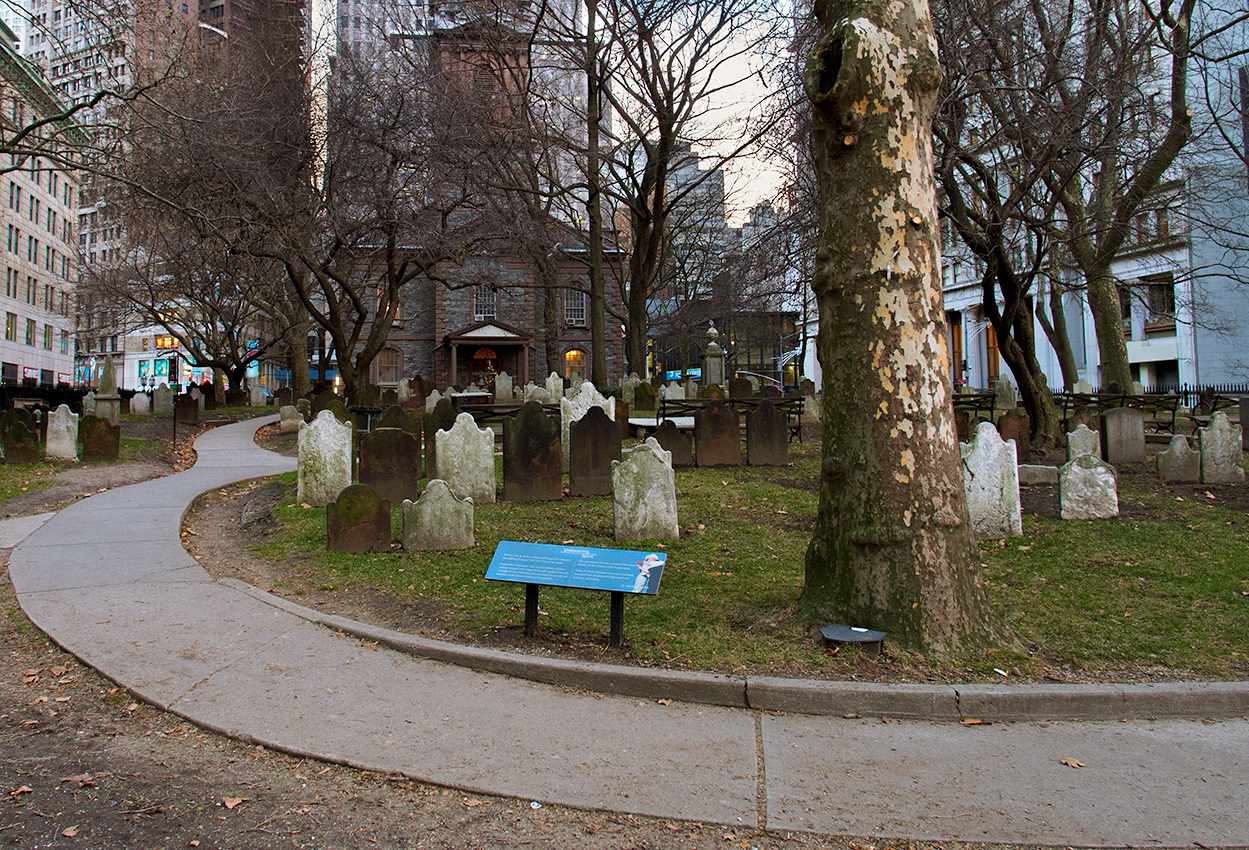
[[83, 764]]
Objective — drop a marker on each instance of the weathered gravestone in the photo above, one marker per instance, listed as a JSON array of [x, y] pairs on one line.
[[502, 387], [1082, 441], [304, 406], [336, 406], [162, 399], [621, 416], [88, 403], [532, 466], [679, 444], [465, 459], [101, 440], [1015, 425], [195, 393], [806, 387], [674, 392], [438, 520], [322, 400], [441, 418], [962, 425], [1005, 395], [403, 392], [740, 388], [141, 404], [325, 460], [644, 398], [1123, 435], [390, 463], [186, 410], [711, 391], [256, 396], [770, 391], [644, 496], [1222, 454], [395, 416], [1178, 463], [717, 435], [573, 409], [358, 521], [767, 436], [62, 443], [107, 397], [390, 397], [432, 400], [210, 395], [286, 396], [1087, 489], [594, 441], [1082, 387], [554, 387], [290, 420], [991, 481], [19, 435], [628, 386]]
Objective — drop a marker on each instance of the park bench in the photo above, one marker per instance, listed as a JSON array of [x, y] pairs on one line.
[[978, 405], [791, 407], [1160, 409]]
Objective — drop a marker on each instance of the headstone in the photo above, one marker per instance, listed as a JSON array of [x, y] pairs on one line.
[[621, 416], [533, 392], [713, 358], [162, 399], [1138, 388], [572, 391], [441, 418], [438, 520], [1179, 463], [390, 463], [465, 459], [674, 392], [107, 398], [1034, 475], [1244, 412], [811, 408], [502, 387], [754, 385], [711, 391], [403, 392], [628, 386], [740, 388], [717, 435], [101, 440], [1083, 387], [532, 466], [644, 398], [573, 409], [88, 403], [991, 481], [1087, 489], [962, 425], [767, 436], [210, 395], [304, 406], [257, 396], [358, 521], [431, 400], [325, 460], [1081, 415], [62, 442], [290, 421], [197, 394], [770, 391], [1082, 441], [1123, 435], [286, 396], [322, 400], [554, 387], [141, 404], [390, 397], [594, 441], [806, 387], [644, 496], [690, 387], [1005, 395], [186, 410], [1222, 454], [395, 416], [335, 406], [1015, 425], [19, 435], [679, 444]]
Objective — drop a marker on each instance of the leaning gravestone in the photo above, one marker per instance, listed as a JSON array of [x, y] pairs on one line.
[[594, 441], [390, 463], [141, 404], [1082, 441], [502, 388], [573, 409], [767, 436], [1087, 489], [62, 441], [358, 521], [740, 388], [19, 435], [101, 440], [1222, 456], [465, 459], [441, 418], [438, 520], [1178, 463], [291, 419], [679, 444], [717, 435], [1123, 435], [325, 460], [532, 466], [991, 481], [162, 399], [644, 398], [644, 496], [186, 410]]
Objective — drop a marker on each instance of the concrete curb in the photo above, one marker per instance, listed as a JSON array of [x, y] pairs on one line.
[[989, 703]]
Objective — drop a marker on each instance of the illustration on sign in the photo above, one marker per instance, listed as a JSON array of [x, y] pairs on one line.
[[577, 566]]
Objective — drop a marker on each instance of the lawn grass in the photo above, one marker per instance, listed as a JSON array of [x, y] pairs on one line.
[[1161, 592]]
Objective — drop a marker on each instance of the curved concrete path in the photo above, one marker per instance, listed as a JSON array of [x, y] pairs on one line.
[[108, 579]]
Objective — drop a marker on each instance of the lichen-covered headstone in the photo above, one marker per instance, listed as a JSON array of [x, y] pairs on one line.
[[101, 440], [19, 435], [572, 410], [1083, 441], [358, 521], [679, 444], [1222, 455], [438, 520], [304, 406], [465, 459], [594, 442], [162, 399], [717, 435], [325, 460], [395, 416], [644, 496], [532, 456], [1087, 489], [991, 482], [1179, 463], [390, 463], [62, 443], [767, 436], [291, 419]]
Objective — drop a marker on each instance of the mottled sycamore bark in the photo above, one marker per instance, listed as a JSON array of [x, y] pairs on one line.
[[893, 548]]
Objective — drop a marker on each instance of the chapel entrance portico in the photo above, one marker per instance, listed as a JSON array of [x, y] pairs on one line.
[[481, 351]]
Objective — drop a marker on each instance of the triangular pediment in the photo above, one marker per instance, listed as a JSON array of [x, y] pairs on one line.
[[489, 330]]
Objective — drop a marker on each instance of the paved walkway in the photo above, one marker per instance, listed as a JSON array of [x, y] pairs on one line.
[[108, 579]]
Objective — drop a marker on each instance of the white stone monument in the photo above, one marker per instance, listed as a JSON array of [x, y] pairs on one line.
[[465, 459], [644, 496], [1087, 489], [991, 481], [438, 519], [325, 455], [62, 435], [1222, 457], [1083, 441]]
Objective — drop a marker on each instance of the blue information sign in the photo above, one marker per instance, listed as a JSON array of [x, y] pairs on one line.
[[577, 566]]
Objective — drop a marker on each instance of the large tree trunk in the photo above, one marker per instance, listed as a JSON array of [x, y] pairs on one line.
[[594, 206], [893, 548], [1108, 322]]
